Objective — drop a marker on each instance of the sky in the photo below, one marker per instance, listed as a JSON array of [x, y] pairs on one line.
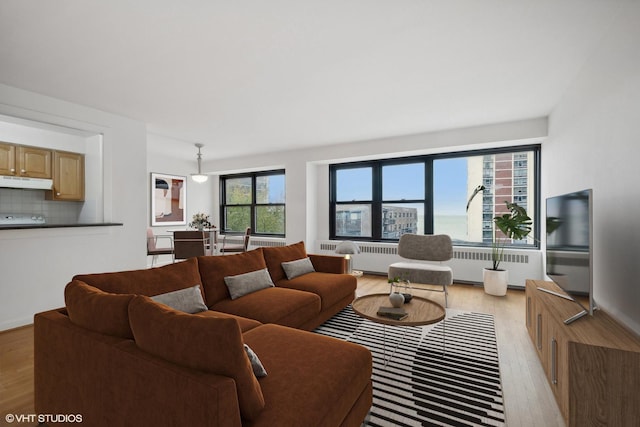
[[450, 186], [406, 181]]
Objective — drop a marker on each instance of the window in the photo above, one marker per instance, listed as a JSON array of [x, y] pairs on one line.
[[354, 198], [381, 200], [402, 204], [255, 200]]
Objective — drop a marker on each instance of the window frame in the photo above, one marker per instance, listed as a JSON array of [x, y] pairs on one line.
[[253, 205], [428, 159]]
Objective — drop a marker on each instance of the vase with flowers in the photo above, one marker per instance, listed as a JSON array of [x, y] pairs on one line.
[[200, 221]]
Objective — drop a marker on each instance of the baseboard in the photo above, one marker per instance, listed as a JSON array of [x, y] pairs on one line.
[[15, 323]]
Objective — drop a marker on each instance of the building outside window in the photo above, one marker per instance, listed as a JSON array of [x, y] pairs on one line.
[[381, 200], [255, 200], [354, 199]]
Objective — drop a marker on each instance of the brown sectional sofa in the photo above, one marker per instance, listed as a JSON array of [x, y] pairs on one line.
[[116, 357]]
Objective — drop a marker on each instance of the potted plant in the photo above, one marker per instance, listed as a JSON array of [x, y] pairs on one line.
[[514, 225], [200, 221]]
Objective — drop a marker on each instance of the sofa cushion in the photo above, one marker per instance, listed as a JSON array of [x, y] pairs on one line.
[[199, 342], [246, 283], [331, 288], [244, 323], [286, 307], [99, 311], [188, 300], [275, 256], [213, 270], [150, 281], [325, 377], [299, 267]]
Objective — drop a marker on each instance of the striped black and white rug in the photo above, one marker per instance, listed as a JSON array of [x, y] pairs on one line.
[[429, 381]]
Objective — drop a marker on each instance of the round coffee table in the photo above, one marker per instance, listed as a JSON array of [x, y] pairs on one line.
[[421, 311]]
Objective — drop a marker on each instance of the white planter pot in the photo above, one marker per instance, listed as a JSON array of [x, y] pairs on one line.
[[495, 282], [396, 299]]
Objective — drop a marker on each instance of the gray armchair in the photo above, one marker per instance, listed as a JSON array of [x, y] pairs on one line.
[[420, 248]]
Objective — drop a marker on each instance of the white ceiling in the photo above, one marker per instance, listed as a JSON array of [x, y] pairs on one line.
[[255, 75]]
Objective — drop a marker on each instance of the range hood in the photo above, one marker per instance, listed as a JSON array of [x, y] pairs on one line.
[[25, 183]]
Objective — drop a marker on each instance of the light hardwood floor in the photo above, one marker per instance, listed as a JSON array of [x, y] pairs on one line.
[[528, 399]]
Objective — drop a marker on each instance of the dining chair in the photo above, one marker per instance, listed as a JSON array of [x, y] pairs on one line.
[[154, 250], [236, 247], [188, 244]]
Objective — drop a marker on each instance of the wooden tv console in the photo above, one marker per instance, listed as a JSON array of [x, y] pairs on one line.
[[592, 364]]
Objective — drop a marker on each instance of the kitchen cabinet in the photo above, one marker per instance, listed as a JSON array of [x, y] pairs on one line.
[[7, 158], [68, 177], [18, 160]]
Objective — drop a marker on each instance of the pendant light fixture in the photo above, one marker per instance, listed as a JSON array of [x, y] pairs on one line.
[[199, 177]]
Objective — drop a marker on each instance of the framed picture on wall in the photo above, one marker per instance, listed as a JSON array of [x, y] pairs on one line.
[[168, 199]]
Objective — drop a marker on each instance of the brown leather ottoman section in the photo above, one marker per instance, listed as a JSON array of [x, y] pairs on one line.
[[331, 288], [273, 305], [315, 390]]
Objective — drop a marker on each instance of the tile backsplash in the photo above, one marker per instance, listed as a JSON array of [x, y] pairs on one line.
[[18, 201]]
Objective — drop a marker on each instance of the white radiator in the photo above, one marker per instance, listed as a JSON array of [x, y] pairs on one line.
[[254, 242], [262, 242], [467, 263]]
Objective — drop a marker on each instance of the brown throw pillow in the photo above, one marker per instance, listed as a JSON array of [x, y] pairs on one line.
[[276, 255], [98, 311], [204, 343]]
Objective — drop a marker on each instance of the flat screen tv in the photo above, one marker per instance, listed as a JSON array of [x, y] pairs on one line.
[[569, 248]]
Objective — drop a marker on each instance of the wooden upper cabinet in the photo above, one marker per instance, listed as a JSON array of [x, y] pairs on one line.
[[7, 159], [18, 160], [66, 169], [33, 162], [68, 176]]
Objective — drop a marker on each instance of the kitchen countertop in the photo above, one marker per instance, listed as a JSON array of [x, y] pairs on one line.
[[32, 226]]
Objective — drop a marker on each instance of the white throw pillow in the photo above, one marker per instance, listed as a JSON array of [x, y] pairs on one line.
[[246, 283], [256, 364], [188, 300], [297, 268]]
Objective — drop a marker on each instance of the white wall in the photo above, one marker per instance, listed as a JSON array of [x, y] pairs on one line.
[[594, 142], [200, 197], [37, 264], [307, 174]]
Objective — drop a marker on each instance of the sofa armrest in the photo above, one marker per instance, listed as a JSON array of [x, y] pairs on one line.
[[328, 263], [110, 381]]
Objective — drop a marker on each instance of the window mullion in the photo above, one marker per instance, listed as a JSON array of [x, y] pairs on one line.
[[428, 197], [376, 205], [254, 199]]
